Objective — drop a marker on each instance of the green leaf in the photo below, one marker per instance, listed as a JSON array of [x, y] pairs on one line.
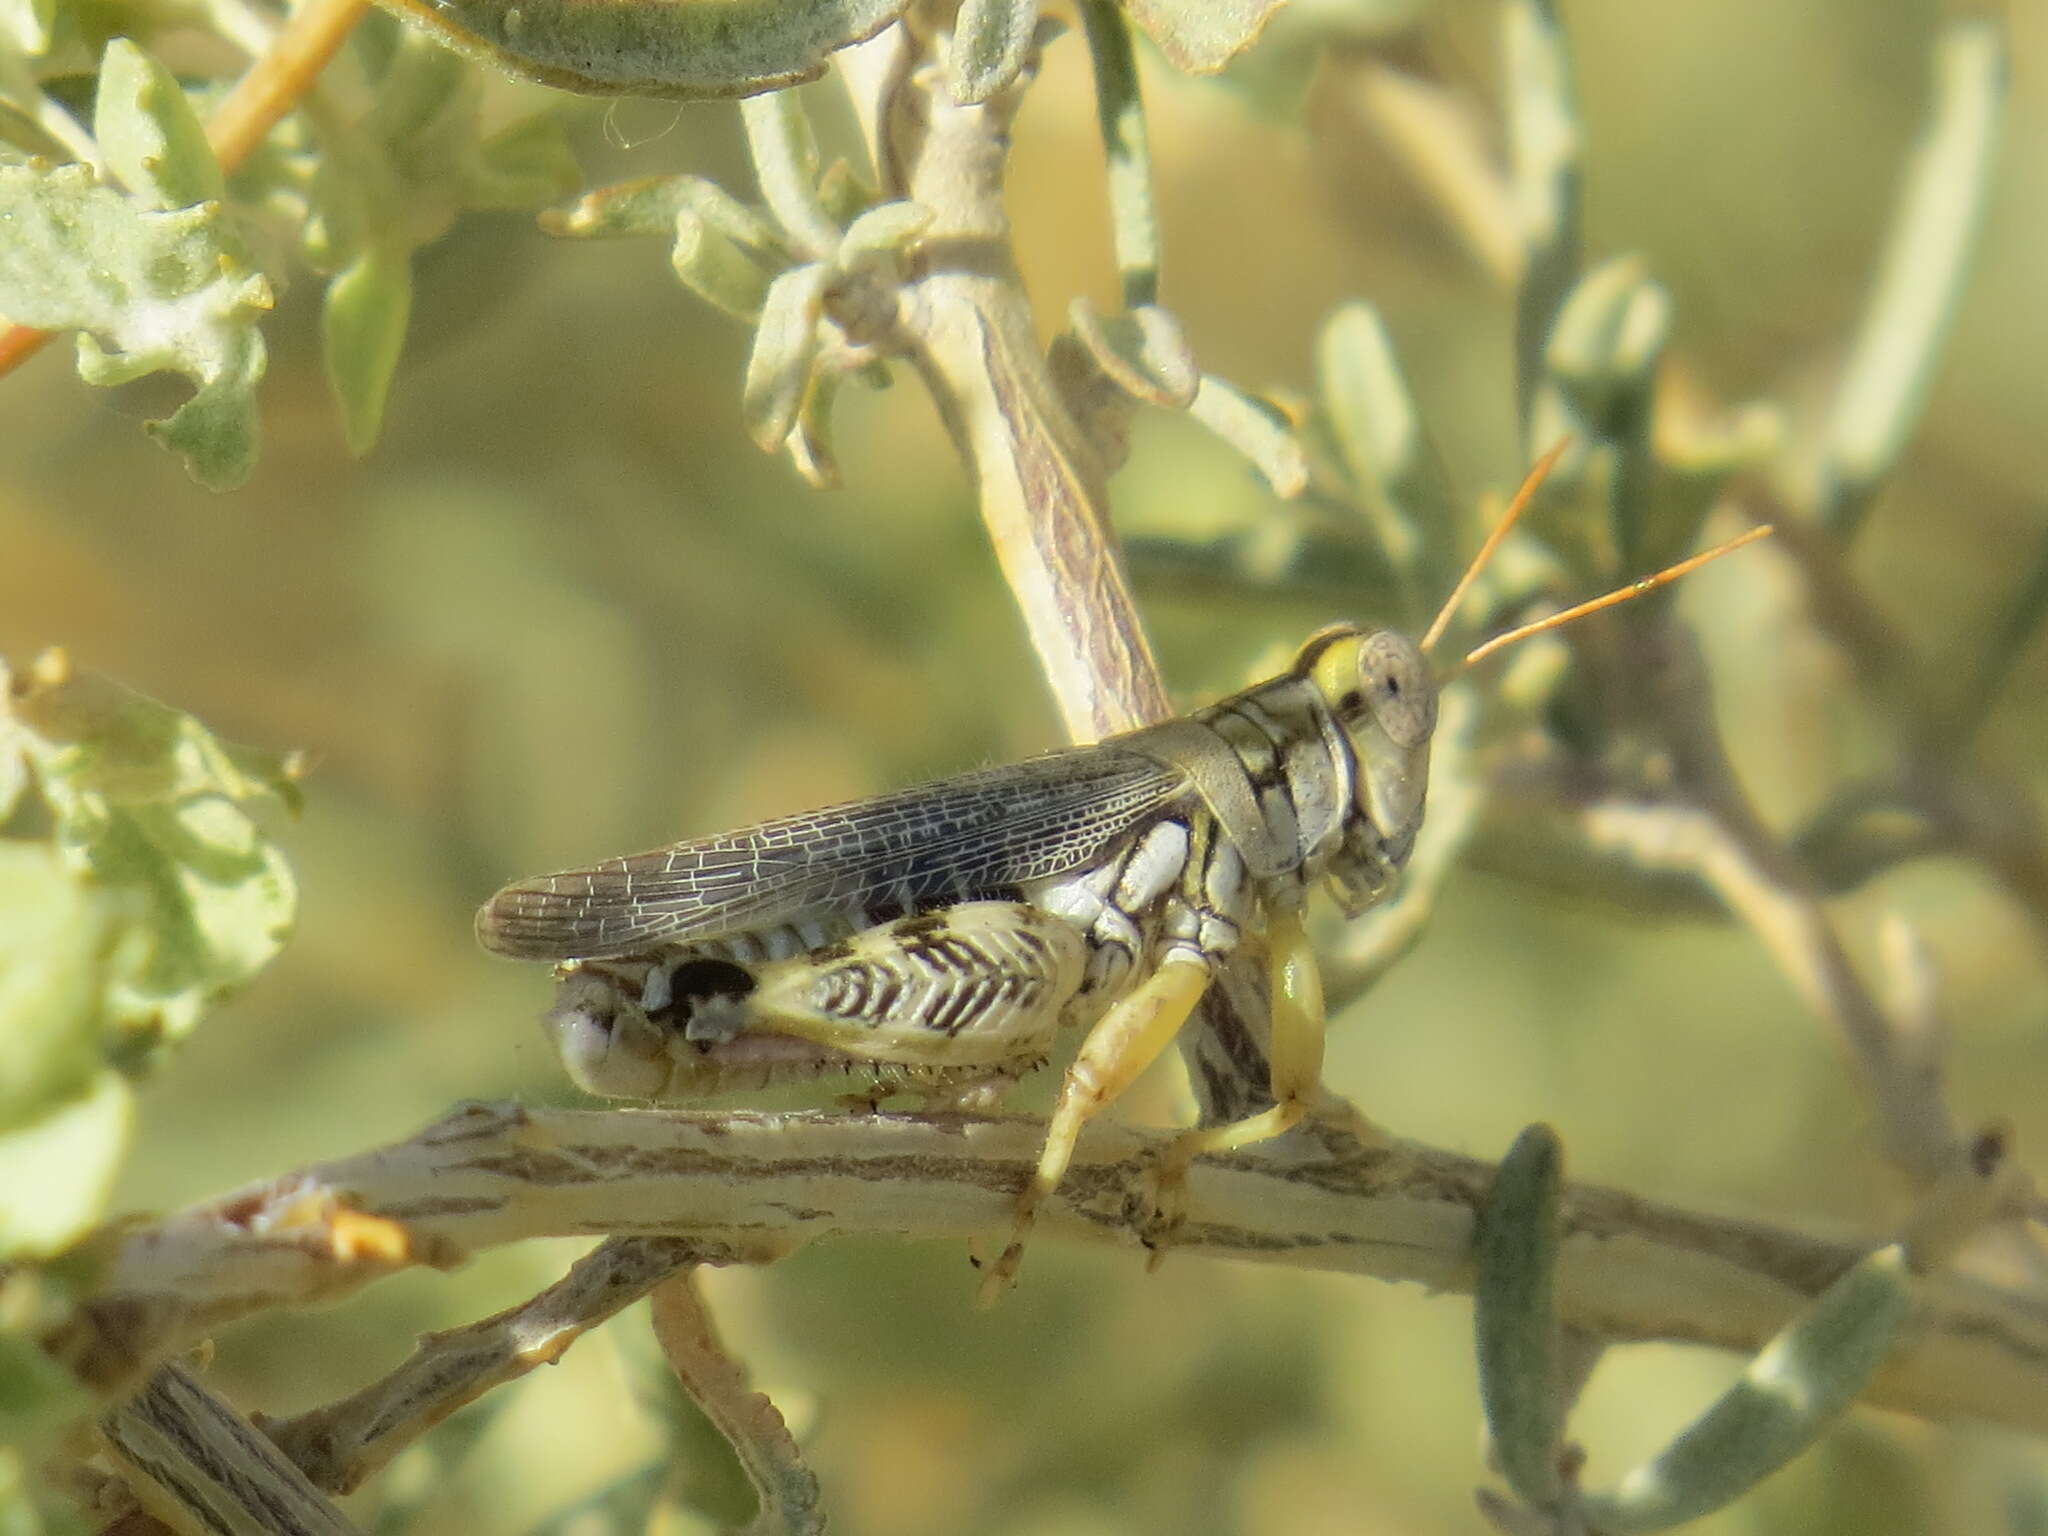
[[843, 194], [164, 290], [1143, 352], [779, 368], [1926, 261], [1201, 36], [1120, 118], [25, 25], [884, 231], [991, 40], [1514, 1321], [57, 1171], [638, 48], [155, 813], [651, 206], [55, 937], [152, 139], [785, 152], [1799, 1384], [39, 1399], [1255, 430], [1371, 416], [810, 439], [714, 268], [1601, 360], [524, 165], [363, 334], [1545, 147], [1608, 338]]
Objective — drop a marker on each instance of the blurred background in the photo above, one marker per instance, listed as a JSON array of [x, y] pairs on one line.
[[565, 610]]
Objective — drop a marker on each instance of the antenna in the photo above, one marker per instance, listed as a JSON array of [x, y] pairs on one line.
[[1619, 595], [1523, 497]]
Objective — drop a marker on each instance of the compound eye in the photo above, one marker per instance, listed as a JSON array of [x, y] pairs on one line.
[[1394, 676]]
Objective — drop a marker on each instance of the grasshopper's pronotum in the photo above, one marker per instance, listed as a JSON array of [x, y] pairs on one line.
[[936, 940]]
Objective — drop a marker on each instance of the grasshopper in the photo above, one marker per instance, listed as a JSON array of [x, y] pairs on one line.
[[936, 940]]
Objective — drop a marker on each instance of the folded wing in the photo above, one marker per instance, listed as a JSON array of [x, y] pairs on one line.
[[980, 834]]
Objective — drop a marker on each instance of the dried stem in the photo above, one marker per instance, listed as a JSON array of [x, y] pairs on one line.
[[966, 321], [340, 1444], [1763, 887], [199, 1465], [748, 1187], [785, 1488]]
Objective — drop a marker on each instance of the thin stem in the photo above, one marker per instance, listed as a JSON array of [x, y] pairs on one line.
[[341, 1444]]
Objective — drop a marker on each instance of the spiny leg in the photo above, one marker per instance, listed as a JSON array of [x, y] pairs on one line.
[[1123, 1043], [1294, 1059]]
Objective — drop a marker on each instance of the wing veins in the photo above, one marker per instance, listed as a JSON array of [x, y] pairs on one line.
[[996, 828]]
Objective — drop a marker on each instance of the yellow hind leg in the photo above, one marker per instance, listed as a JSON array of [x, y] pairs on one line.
[[1123, 1043], [1295, 1060]]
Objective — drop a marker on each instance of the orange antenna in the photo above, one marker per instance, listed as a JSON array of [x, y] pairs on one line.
[[1523, 497], [1619, 595]]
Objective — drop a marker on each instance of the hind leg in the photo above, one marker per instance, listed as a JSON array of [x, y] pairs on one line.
[[1295, 1060], [1123, 1043]]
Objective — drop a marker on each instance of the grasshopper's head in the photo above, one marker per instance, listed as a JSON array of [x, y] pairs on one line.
[[1378, 686]]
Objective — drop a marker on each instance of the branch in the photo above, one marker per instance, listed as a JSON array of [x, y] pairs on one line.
[[965, 320], [199, 1465], [339, 1445], [742, 1187]]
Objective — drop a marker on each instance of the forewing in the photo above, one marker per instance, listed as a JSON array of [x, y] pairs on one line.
[[977, 834]]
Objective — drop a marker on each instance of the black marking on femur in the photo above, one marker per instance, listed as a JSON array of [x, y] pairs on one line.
[[1033, 944], [949, 955], [833, 953], [1350, 701]]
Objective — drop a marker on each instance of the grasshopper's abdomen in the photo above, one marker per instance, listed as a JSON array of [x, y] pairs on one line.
[[963, 994], [969, 985]]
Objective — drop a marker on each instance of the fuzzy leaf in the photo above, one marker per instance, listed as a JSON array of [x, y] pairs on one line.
[[154, 813], [1144, 353], [1609, 335], [884, 231], [1925, 267], [647, 206], [524, 165], [785, 151], [1371, 416], [25, 25], [1255, 430], [55, 935], [152, 139], [1799, 1384], [148, 290], [39, 1398], [779, 368], [57, 1171], [1514, 1319], [714, 268], [363, 334], [1201, 36], [991, 41], [728, 48], [843, 194]]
